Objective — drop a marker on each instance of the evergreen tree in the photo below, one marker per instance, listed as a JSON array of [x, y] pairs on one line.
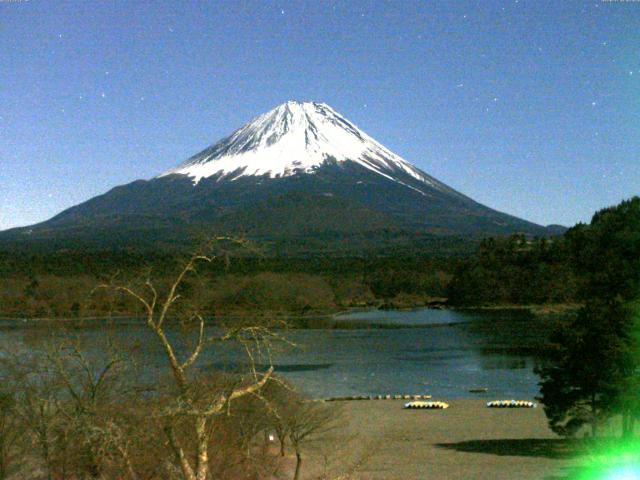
[[594, 369], [581, 381]]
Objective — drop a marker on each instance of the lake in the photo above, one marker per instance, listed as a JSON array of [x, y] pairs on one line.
[[444, 353]]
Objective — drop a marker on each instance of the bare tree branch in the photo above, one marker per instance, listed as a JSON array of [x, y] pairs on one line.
[[199, 345]]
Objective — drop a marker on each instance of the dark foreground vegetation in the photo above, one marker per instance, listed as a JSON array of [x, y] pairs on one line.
[[71, 410], [593, 372], [65, 414]]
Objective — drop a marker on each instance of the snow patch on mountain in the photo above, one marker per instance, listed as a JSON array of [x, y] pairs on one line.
[[296, 137]]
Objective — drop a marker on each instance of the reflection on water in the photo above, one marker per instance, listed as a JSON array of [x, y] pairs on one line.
[[408, 317], [440, 352]]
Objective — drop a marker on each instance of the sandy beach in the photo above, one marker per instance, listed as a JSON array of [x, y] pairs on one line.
[[381, 440]]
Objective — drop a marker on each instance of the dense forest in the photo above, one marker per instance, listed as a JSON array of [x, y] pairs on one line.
[[62, 284], [522, 271], [516, 271], [592, 374], [501, 271]]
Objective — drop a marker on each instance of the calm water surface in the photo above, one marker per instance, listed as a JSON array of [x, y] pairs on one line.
[[439, 352], [444, 353]]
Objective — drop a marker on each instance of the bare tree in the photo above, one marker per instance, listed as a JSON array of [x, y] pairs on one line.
[[281, 397], [307, 421], [192, 404], [41, 416], [89, 387], [10, 432], [64, 397]]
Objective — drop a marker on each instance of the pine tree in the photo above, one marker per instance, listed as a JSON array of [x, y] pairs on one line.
[[581, 382], [594, 367]]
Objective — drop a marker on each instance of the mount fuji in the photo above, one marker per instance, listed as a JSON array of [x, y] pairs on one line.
[[298, 174]]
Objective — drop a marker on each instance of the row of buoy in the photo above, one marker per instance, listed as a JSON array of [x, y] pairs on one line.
[[379, 397], [427, 405], [418, 401], [511, 404], [492, 404]]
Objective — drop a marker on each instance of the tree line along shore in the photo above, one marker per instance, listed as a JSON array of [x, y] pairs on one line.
[[511, 272], [489, 273]]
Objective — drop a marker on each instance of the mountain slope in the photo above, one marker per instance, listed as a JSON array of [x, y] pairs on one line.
[[297, 171]]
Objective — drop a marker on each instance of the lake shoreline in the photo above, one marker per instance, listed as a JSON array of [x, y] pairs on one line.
[[538, 310]]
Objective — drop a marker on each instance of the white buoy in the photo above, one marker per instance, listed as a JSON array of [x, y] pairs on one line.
[[426, 405]]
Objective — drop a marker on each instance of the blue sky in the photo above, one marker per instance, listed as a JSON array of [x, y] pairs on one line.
[[529, 107]]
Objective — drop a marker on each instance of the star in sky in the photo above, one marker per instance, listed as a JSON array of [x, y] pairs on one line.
[[502, 64]]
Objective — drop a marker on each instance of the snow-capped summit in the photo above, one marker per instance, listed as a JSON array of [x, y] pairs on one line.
[[296, 137]]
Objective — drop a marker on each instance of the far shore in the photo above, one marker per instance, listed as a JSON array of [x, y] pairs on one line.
[[538, 310]]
